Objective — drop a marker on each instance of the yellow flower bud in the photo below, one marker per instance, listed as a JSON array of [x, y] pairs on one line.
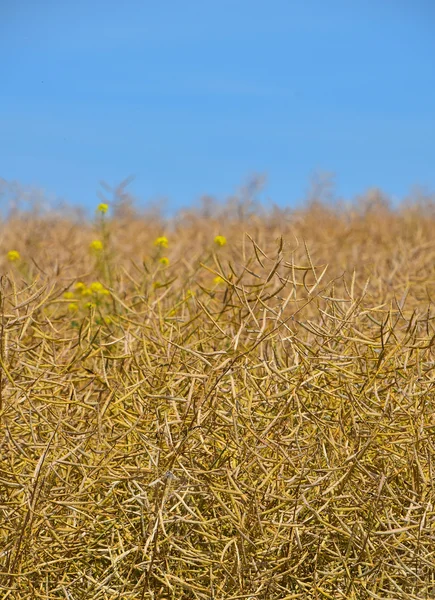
[[162, 242], [96, 246], [96, 287], [220, 240], [13, 255]]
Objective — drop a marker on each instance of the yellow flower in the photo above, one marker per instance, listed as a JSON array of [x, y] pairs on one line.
[[80, 286], [162, 242], [96, 287], [73, 307], [13, 255], [220, 240], [68, 295], [86, 292], [96, 246], [108, 320], [90, 305], [164, 261], [217, 280], [103, 208]]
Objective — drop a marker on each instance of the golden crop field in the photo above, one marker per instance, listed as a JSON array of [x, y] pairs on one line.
[[223, 406]]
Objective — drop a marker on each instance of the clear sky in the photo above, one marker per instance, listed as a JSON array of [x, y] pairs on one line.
[[194, 96]]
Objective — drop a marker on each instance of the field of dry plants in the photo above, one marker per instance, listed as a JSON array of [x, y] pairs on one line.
[[225, 406]]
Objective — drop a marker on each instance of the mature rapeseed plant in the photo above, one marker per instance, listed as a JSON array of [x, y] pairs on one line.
[[245, 422]]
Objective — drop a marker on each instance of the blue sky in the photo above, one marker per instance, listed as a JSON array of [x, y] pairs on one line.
[[195, 96]]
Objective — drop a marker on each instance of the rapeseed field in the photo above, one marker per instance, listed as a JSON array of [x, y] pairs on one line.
[[226, 405]]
